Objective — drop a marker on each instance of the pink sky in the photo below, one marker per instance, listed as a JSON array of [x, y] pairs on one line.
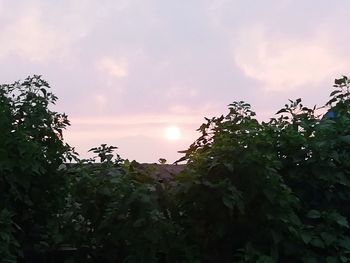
[[125, 70]]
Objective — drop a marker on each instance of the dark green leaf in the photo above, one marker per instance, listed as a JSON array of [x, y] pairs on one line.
[[313, 214]]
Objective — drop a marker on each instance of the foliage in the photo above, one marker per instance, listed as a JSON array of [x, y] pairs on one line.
[[116, 213], [9, 244], [31, 151], [237, 199], [275, 191]]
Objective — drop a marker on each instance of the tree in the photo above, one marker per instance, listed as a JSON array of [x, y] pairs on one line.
[[31, 152], [274, 191]]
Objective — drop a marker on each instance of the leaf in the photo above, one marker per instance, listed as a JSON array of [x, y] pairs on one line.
[[345, 243], [139, 222], [43, 91], [331, 101], [306, 237], [342, 221], [339, 81], [228, 202], [334, 93], [328, 238], [345, 139], [317, 242], [281, 111], [313, 214]]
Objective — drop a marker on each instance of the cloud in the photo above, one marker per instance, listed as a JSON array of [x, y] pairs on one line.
[[187, 110], [39, 31], [113, 67], [177, 91], [30, 38], [137, 119], [100, 101], [286, 63]]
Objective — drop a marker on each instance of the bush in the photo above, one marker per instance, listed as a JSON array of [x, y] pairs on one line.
[[275, 191], [118, 213], [31, 151]]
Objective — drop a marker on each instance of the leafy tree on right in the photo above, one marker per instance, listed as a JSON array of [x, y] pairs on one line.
[[271, 192]]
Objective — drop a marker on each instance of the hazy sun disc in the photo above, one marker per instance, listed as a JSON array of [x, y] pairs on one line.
[[172, 133]]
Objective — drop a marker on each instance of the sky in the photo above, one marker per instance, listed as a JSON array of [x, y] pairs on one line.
[[142, 74]]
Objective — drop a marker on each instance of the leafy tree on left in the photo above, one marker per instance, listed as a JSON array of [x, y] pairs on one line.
[[31, 152]]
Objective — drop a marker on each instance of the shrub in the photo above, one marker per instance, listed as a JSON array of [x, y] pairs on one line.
[[31, 151], [275, 191], [115, 213]]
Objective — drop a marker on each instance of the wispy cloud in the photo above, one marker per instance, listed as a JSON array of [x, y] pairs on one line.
[[30, 38], [177, 91], [39, 31], [100, 101], [287, 63], [138, 119], [115, 68]]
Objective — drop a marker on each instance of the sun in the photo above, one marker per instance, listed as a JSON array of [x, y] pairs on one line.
[[172, 133]]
